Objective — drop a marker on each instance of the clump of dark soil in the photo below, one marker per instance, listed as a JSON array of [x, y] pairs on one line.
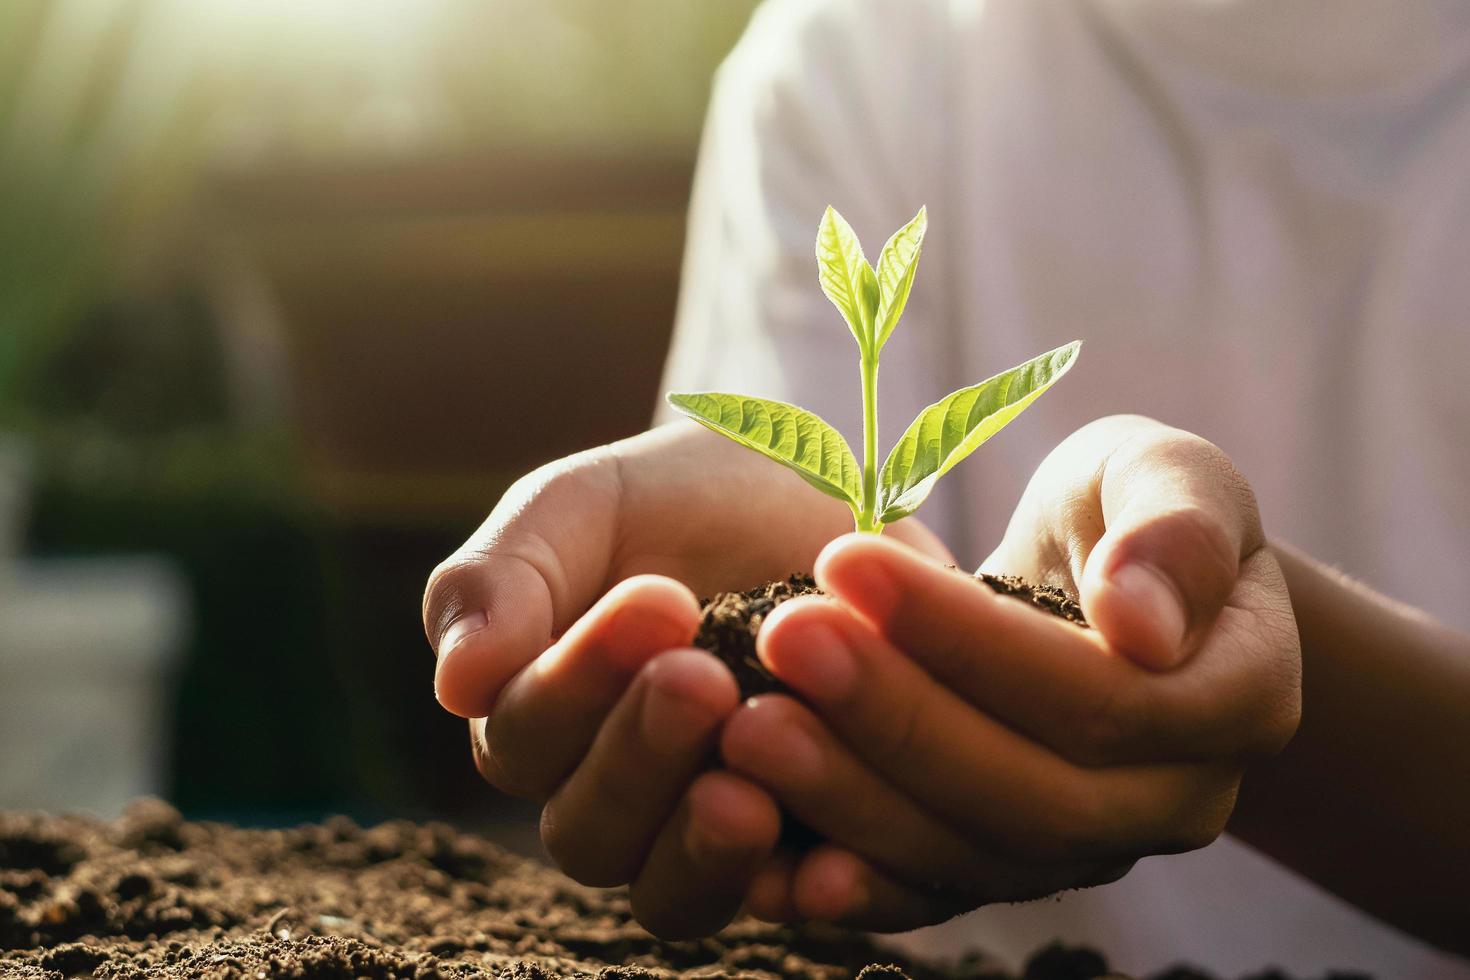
[[732, 620], [1056, 601]]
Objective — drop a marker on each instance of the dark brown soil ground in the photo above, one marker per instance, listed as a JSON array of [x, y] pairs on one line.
[[151, 895], [732, 620]]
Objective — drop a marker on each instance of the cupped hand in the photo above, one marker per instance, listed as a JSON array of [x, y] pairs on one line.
[[957, 747], [562, 630]]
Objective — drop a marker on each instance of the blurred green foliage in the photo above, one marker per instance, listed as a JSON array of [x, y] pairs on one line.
[[115, 115], [113, 111]]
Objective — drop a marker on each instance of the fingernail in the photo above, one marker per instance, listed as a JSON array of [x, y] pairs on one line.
[[795, 756], [632, 634], [670, 722], [701, 846], [859, 579], [711, 834], [818, 662], [706, 845], [859, 896], [471, 622], [1149, 591]]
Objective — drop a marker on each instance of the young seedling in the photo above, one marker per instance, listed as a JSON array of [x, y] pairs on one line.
[[871, 301]]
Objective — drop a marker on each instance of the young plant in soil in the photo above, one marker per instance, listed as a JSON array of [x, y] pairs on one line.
[[871, 300]]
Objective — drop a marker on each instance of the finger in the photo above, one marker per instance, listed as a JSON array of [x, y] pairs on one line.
[[779, 744], [600, 823], [1179, 518], [704, 860], [538, 561], [1061, 685], [980, 776], [769, 896], [548, 714], [476, 658], [833, 884]]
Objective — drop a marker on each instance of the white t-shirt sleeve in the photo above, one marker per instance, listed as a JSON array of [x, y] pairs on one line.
[[820, 103]]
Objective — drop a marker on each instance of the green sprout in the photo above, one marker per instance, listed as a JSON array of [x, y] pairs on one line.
[[871, 301]]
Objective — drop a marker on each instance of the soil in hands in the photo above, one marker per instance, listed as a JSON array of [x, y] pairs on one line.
[[732, 620]]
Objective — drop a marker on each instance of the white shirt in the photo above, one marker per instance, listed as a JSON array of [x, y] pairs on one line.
[[1256, 213]]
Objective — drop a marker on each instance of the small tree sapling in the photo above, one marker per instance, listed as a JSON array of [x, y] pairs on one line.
[[871, 301]]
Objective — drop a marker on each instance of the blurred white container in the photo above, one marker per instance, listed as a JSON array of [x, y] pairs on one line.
[[87, 650]]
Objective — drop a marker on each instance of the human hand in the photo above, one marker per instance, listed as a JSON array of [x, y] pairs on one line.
[[562, 629], [957, 747]]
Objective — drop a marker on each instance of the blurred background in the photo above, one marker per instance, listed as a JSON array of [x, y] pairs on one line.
[[285, 294]]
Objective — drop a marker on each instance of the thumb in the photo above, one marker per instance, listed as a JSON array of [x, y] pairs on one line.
[[1178, 519], [537, 563]]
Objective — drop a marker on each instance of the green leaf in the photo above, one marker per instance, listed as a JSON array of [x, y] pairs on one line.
[[896, 265], [871, 293], [845, 275], [791, 436], [952, 428]]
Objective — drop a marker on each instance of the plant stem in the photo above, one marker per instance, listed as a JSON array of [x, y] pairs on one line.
[[868, 519]]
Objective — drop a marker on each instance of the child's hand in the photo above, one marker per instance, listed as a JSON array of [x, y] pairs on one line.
[[962, 748], [605, 714]]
